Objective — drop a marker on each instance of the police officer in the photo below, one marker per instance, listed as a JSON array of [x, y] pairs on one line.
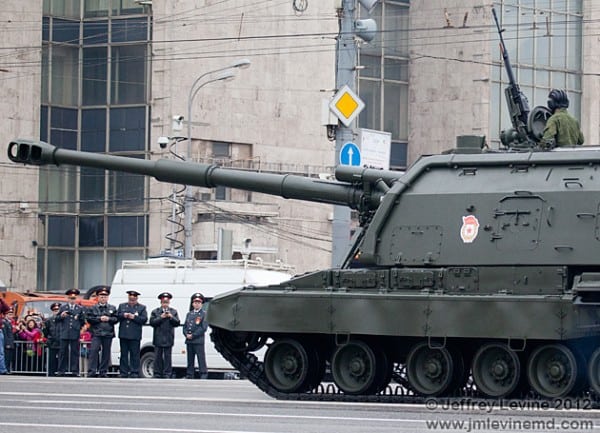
[[561, 129], [194, 329], [102, 318], [51, 331], [164, 320], [132, 317], [70, 318]]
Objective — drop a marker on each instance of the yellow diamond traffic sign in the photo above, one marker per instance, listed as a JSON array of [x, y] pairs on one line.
[[346, 105]]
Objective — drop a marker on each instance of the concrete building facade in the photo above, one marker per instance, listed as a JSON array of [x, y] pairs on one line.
[[434, 72]]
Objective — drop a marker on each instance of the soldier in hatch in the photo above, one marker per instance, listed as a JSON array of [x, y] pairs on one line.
[[562, 129]]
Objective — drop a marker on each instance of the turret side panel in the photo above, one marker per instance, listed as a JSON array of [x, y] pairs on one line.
[[503, 215]]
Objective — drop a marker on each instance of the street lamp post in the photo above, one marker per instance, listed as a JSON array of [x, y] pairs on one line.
[[226, 73]]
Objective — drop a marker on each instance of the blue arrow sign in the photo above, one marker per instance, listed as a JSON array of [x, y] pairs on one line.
[[350, 155]]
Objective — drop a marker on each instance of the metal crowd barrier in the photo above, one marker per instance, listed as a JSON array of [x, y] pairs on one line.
[[34, 358]]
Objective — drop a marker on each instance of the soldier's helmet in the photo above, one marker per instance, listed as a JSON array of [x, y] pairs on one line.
[[557, 99]]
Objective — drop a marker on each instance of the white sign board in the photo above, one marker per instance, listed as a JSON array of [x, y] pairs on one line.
[[375, 148]]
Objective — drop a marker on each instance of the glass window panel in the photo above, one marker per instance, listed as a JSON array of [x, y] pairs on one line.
[[221, 150], [127, 129], [510, 22], [128, 83], [542, 78], [370, 93], [57, 189], [395, 35], [66, 8], [573, 81], [559, 41], [126, 231], [573, 43], [575, 104], [574, 6], [115, 259], [395, 69], [61, 269], [221, 193], [44, 123], [372, 66], [95, 74], [95, 32], [46, 7], [395, 112], [398, 157], [91, 231], [93, 130], [45, 29], [126, 7], [65, 31], [95, 8], [91, 192], [540, 97], [91, 269], [130, 30], [63, 128], [526, 35], [65, 67], [542, 49], [126, 192], [525, 76], [41, 266], [61, 231], [558, 80], [45, 73], [543, 4]]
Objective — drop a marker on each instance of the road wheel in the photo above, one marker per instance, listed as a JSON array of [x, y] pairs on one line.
[[147, 365], [552, 370], [496, 370], [287, 366], [354, 367], [429, 370], [594, 371]]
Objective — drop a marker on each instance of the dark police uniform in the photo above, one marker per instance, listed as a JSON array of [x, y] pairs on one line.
[[163, 338], [51, 331], [70, 319], [195, 325], [102, 335], [130, 335]]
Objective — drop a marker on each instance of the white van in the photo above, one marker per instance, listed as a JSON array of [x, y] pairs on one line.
[[182, 278]]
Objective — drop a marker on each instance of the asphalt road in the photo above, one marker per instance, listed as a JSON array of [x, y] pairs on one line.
[[69, 405]]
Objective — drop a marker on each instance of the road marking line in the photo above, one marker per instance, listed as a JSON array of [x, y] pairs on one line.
[[121, 428]]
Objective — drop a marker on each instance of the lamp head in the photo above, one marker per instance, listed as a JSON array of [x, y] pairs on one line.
[[226, 75], [242, 64], [366, 29]]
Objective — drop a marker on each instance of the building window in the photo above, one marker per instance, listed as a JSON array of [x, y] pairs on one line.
[[221, 153], [383, 82], [544, 41], [106, 111]]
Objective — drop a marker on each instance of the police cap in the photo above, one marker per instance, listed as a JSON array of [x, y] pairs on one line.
[[102, 291], [133, 292], [55, 306], [197, 296], [164, 295], [72, 292]]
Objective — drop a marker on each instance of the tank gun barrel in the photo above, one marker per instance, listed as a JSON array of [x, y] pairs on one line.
[[203, 175]]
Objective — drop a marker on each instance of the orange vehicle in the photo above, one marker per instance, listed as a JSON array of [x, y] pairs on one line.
[[38, 303]]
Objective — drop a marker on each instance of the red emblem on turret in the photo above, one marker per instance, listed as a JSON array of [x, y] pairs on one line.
[[469, 229]]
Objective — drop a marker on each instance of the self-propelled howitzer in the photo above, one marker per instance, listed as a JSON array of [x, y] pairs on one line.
[[473, 273]]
